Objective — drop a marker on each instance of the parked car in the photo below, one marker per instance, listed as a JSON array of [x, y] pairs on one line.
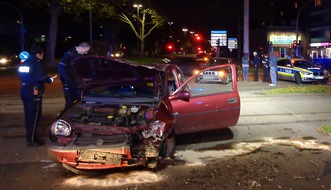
[[301, 70], [130, 114], [187, 64], [223, 76], [8, 60]]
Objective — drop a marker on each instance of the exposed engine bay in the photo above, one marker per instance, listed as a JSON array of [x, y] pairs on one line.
[[115, 115]]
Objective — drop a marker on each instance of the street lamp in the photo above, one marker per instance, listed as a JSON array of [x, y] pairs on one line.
[[297, 27], [170, 30], [138, 6], [185, 30], [22, 30]]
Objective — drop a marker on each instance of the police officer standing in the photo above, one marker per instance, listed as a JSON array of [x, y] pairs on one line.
[[265, 63], [33, 77], [70, 90], [256, 62]]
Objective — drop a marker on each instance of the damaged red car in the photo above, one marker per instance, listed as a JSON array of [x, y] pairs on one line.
[[129, 114]]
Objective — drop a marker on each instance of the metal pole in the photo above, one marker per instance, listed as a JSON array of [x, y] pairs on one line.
[[22, 30], [91, 34], [246, 29]]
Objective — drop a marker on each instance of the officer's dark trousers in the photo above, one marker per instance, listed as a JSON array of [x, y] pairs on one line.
[[256, 73], [70, 93], [32, 110]]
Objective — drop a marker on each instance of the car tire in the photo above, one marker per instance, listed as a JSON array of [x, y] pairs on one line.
[[226, 80], [168, 146], [297, 78]]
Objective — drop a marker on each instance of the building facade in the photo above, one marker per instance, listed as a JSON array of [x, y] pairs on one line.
[[320, 41]]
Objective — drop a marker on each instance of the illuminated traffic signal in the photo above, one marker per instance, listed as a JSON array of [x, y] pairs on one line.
[[170, 47], [295, 44]]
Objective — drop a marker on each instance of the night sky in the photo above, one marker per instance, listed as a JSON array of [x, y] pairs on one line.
[[200, 16]]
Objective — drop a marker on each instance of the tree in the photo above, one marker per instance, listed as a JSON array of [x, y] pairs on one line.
[[57, 7], [146, 24]]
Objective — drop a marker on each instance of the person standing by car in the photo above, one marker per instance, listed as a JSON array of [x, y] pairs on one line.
[[256, 62], [245, 67], [265, 63], [273, 68], [70, 89], [32, 74]]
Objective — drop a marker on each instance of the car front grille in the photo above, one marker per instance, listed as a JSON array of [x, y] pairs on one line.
[[84, 139], [319, 74]]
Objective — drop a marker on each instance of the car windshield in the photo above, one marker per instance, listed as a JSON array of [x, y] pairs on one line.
[[303, 63]]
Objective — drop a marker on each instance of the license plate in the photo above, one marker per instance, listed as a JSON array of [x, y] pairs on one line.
[[100, 157], [209, 77], [319, 77]]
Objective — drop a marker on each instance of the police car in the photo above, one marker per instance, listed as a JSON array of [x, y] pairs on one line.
[[301, 70]]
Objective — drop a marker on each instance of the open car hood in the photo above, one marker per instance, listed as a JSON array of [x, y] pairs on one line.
[[95, 71]]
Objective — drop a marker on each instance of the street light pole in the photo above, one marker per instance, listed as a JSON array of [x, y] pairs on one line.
[[297, 27], [22, 30], [138, 6]]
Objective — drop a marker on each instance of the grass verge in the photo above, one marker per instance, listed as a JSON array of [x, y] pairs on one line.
[[325, 129], [299, 89]]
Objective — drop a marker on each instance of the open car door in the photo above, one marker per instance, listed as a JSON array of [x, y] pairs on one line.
[[206, 101]]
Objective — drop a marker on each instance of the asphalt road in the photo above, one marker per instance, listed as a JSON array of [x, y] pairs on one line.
[[290, 120]]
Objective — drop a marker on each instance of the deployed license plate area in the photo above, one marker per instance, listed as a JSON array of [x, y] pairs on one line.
[[100, 157]]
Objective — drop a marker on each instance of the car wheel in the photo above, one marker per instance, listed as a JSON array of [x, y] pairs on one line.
[[297, 78], [168, 146], [277, 76]]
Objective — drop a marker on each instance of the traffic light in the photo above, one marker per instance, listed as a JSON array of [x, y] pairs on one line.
[[295, 44], [170, 47]]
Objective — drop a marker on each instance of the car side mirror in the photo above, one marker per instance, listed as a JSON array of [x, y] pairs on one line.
[[181, 95]]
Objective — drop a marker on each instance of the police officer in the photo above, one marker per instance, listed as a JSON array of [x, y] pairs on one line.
[[33, 77], [70, 90], [256, 62], [265, 63]]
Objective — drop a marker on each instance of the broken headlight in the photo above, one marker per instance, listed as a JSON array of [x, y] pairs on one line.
[[156, 130], [61, 127]]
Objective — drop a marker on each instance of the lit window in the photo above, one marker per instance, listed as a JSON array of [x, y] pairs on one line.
[[318, 2], [281, 13]]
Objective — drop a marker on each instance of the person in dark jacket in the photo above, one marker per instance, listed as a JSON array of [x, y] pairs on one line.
[[33, 76], [256, 62], [70, 90], [265, 63]]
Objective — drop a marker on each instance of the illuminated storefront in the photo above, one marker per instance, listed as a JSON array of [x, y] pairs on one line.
[[320, 50], [283, 40]]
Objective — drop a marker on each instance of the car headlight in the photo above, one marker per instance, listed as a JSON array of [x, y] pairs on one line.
[[4, 61], [61, 127], [307, 73], [220, 73], [195, 72], [157, 129]]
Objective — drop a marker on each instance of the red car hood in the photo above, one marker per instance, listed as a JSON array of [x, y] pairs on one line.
[[95, 71]]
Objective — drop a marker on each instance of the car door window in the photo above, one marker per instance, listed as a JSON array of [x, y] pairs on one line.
[[211, 81]]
